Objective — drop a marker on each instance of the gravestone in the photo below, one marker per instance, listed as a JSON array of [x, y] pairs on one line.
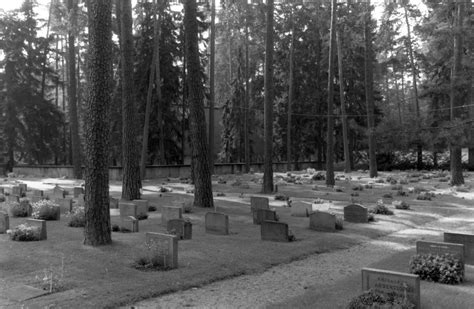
[[23, 187], [274, 231], [113, 202], [260, 215], [4, 222], [38, 193], [16, 190], [181, 228], [465, 239], [65, 204], [81, 202], [300, 209], [77, 191], [166, 246], [356, 213], [322, 221], [440, 248], [142, 208], [13, 198], [257, 202], [2, 190], [127, 209], [217, 223], [130, 223], [41, 224], [384, 281], [168, 213], [58, 192]]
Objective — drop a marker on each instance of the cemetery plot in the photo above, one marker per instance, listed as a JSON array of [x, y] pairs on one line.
[[164, 247], [440, 248], [322, 221], [275, 231], [217, 223], [260, 215], [41, 224], [300, 209], [65, 204], [127, 209], [16, 190], [78, 190], [400, 284], [4, 222], [58, 192], [356, 213], [181, 228], [465, 239], [129, 223], [168, 213], [142, 208], [257, 202]]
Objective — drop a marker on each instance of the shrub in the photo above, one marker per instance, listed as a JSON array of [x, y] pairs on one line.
[[437, 268], [115, 228], [401, 205], [358, 187], [372, 299], [25, 232], [355, 194], [339, 223], [281, 197], [142, 216], [152, 257], [45, 210], [21, 209], [77, 217], [151, 208], [220, 194], [318, 176], [401, 193], [425, 196], [381, 209], [388, 195], [2, 198], [368, 186], [403, 181], [379, 180], [397, 187], [371, 218]]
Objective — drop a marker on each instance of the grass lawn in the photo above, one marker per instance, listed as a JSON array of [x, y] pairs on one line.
[[102, 277]]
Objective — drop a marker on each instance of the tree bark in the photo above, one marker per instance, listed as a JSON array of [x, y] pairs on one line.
[[330, 129], [131, 172], [369, 93], [212, 96], [202, 174], [97, 228], [268, 103], [290, 93], [247, 94]]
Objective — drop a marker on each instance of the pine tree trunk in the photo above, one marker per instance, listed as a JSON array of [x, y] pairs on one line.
[[97, 229], [247, 94], [212, 96], [290, 93], [369, 94], [330, 129], [72, 92], [131, 171], [268, 103], [202, 174]]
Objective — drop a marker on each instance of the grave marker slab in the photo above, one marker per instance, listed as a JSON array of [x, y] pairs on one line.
[[23, 187], [16, 190], [4, 222], [322, 221], [58, 192], [260, 215], [217, 223], [113, 202], [465, 239], [38, 193], [82, 202], [181, 228], [274, 231], [127, 209], [439, 248], [130, 223], [142, 207], [384, 281], [300, 209], [356, 213], [41, 224], [257, 202], [77, 191], [65, 204], [13, 198], [2, 190], [167, 247], [169, 212]]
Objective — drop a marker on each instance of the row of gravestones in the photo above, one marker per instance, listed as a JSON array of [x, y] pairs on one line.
[[461, 246]]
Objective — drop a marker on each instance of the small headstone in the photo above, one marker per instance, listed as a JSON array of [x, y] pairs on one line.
[[356, 213], [168, 213], [4, 222], [166, 246], [260, 215], [440, 248], [130, 223], [217, 223], [82, 202], [142, 207], [2, 190], [300, 209], [181, 228], [65, 204], [38, 193], [23, 187], [113, 202], [41, 224], [127, 209], [400, 284], [77, 191], [58, 192], [274, 231], [16, 190], [257, 202], [465, 239], [13, 198], [322, 221]]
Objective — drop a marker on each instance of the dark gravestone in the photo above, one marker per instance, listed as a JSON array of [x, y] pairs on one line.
[[440, 248], [142, 208], [4, 222], [16, 190], [400, 284], [168, 213], [2, 190], [113, 203], [41, 224], [260, 215], [23, 187], [127, 209], [322, 221], [58, 192], [81, 202], [78, 190], [13, 198], [65, 204], [130, 223], [181, 228], [300, 209], [274, 231], [165, 246], [356, 213], [38, 193], [465, 239], [257, 202], [217, 223]]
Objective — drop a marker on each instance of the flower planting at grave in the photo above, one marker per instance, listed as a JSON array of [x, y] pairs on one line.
[[373, 299], [437, 268], [45, 210], [25, 232], [19, 209], [381, 209], [77, 217], [153, 257]]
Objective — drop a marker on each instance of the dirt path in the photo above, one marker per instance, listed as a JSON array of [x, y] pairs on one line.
[[292, 280]]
